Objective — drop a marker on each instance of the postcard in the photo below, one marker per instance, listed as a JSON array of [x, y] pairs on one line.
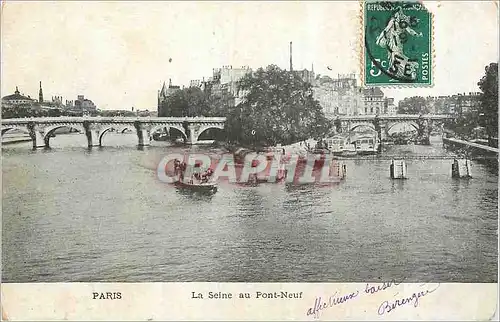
[[260, 161]]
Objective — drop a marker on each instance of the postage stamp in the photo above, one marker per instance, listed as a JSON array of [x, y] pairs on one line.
[[397, 43]]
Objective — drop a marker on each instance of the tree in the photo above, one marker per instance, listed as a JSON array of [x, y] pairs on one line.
[[464, 125], [489, 100], [21, 111], [413, 105], [54, 112], [278, 108], [191, 101], [220, 104]]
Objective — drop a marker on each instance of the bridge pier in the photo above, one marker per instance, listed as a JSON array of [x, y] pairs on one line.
[[193, 135], [92, 137], [38, 139], [37, 135], [143, 133], [383, 131], [143, 137]]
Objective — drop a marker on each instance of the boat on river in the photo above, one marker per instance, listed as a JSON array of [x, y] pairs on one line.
[[197, 186], [336, 144], [196, 182], [367, 144], [349, 150]]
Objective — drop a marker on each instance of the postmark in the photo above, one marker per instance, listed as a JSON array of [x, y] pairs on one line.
[[397, 43]]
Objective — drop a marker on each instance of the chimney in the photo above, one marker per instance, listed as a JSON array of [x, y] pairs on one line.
[[291, 65]]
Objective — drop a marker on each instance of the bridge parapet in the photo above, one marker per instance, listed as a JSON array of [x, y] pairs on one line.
[[113, 119], [397, 117], [422, 123], [42, 129]]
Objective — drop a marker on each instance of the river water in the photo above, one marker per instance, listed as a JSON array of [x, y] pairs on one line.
[[70, 214]]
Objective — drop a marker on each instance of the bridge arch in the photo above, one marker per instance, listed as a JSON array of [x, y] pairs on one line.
[[411, 123], [49, 131], [157, 128], [371, 126], [6, 129], [178, 127], [206, 127], [120, 128]]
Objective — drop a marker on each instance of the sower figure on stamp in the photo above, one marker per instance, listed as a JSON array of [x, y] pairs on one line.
[[392, 38]]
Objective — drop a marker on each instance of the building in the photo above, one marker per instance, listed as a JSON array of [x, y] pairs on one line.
[[341, 96], [56, 102], [84, 104], [464, 102], [163, 94], [40, 94], [195, 83], [374, 102], [389, 106], [225, 79], [224, 83], [229, 75], [17, 99], [327, 97], [306, 75], [454, 104], [81, 104], [350, 94]]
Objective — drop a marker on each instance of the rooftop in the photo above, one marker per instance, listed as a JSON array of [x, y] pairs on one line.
[[373, 91], [16, 96]]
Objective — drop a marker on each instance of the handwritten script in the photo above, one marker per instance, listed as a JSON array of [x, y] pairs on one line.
[[335, 299], [388, 306], [321, 304]]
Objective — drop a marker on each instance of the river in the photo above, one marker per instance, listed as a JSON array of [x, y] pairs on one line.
[[70, 214]]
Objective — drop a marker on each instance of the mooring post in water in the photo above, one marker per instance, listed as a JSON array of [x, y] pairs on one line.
[[461, 168], [338, 169], [398, 169]]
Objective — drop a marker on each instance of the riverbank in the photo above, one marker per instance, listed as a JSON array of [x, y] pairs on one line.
[[467, 144], [12, 139], [15, 141]]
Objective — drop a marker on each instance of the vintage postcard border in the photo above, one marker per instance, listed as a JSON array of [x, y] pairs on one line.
[[268, 301]]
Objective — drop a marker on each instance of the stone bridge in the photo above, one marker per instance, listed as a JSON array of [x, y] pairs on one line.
[[42, 129], [422, 123]]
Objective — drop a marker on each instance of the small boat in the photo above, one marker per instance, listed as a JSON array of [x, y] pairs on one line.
[[197, 182], [349, 150], [198, 186], [321, 151]]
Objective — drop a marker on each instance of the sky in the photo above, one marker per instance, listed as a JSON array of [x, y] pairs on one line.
[[118, 53]]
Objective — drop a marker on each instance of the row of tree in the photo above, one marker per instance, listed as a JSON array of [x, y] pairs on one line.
[[278, 107], [22, 111], [485, 114]]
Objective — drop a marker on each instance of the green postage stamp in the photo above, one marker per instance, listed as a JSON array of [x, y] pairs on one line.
[[397, 43]]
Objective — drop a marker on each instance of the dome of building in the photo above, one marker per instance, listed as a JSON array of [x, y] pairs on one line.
[[16, 98]]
